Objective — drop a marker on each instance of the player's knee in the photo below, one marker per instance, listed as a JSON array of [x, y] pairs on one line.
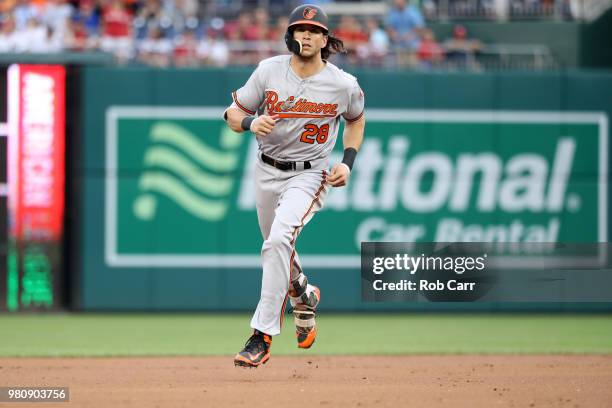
[[277, 240]]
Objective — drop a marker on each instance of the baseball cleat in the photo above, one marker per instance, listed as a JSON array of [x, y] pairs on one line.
[[256, 351], [304, 317], [306, 340]]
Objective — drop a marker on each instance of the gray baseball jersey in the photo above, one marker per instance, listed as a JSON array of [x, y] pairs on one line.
[[309, 109]]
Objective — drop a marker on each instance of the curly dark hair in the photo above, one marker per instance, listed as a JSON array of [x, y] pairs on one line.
[[334, 46]]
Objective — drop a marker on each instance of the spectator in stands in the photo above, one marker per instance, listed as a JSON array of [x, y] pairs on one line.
[[156, 49], [185, 49], [350, 32], [150, 15], [430, 53], [54, 40], [188, 8], [23, 12], [276, 36], [460, 51], [77, 36], [7, 34], [116, 31], [33, 38], [214, 50], [249, 32], [55, 15], [182, 13], [404, 23], [429, 8], [236, 46], [7, 6], [375, 51], [262, 22], [87, 15], [277, 33], [247, 28], [236, 32]]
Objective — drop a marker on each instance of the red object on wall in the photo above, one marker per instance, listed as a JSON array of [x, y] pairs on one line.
[[36, 149]]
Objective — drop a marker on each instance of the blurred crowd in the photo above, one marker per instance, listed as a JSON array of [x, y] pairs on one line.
[[501, 9], [156, 32], [176, 32], [403, 39]]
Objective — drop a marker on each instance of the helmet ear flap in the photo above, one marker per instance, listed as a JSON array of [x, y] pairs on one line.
[[293, 45]]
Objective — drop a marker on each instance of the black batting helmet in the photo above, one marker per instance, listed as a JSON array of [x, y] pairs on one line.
[[305, 14], [309, 14]]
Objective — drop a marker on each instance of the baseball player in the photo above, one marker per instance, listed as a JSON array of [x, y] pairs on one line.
[[293, 104]]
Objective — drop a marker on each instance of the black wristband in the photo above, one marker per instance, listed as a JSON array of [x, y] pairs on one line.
[[349, 157], [246, 122]]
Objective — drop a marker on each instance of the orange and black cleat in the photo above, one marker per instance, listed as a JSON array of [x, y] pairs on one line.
[[306, 339], [256, 351]]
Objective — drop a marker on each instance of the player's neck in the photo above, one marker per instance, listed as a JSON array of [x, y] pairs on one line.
[[307, 67]]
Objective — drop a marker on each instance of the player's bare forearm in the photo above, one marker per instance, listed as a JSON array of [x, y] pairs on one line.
[[352, 138], [353, 134], [234, 119]]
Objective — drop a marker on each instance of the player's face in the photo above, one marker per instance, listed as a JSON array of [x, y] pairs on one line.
[[313, 39]]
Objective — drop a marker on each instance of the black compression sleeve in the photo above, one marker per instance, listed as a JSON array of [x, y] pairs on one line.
[[349, 157], [246, 122]]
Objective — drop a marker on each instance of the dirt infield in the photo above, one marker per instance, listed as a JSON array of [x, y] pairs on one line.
[[360, 381]]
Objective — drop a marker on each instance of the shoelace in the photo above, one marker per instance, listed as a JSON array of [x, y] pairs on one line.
[[255, 344]]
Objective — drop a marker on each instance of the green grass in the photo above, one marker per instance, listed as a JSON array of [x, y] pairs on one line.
[[223, 334]]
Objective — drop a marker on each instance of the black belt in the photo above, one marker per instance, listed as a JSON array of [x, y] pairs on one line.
[[284, 165]]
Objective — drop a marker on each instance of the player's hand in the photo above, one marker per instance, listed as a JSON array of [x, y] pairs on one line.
[[339, 175], [263, 124]]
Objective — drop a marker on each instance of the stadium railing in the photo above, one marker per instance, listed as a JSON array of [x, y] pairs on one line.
[[498, 10]]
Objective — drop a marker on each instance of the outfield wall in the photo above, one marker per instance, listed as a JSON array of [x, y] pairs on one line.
[[167, 218]]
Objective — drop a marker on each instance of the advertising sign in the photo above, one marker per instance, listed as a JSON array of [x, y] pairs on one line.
[[179, 191], [36, 176]]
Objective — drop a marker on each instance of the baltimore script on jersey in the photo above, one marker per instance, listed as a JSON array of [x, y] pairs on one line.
[[273, 105]]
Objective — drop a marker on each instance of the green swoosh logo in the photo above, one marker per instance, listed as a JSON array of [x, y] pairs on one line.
[[180, 170], [206, 183], [172, 187], [187, 142]]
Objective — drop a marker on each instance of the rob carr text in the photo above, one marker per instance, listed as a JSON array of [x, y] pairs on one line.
[[423, 285]]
